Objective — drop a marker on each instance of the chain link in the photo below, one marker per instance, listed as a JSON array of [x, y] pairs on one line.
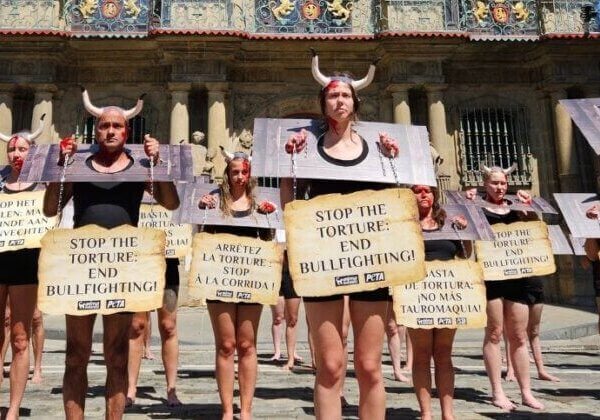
[[294, 180], [61, 190], [152, 183]]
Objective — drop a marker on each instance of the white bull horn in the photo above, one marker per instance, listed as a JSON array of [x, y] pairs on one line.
[[31, 137], [510, 170], [319, 77], [227, 155], [89, 107], [130, 113], [365, 81]]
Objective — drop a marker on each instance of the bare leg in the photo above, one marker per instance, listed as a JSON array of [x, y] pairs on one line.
[[5, 332], [291, 319], [223, 319], [409, 351], [345, 330], [510, 372], [443, 340], [167, 326], [325, 320], [139, 325], [423, 352], [116, 354], [22, 301], [148, 337], [246, 329], [368, 323], [79, 349], [277, 312], [393, 340], [492, 354], [37, 340], [517, 318], [533, 332]]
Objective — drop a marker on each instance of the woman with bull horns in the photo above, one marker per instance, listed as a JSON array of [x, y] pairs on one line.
[[342, 146], [235, 325], [507, 300], [18, 278]]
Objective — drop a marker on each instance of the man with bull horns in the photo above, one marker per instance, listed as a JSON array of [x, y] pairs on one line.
[[107, 204]]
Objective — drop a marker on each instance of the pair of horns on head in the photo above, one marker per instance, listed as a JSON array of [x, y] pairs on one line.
[[97, 111], [325, 80], [488, 171], [30, 137], [235, 155]]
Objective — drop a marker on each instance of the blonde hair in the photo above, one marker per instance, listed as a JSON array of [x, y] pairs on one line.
[[225, 199]]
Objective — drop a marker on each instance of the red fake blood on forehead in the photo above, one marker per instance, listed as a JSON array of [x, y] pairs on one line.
[[13, 141], [246, 166]]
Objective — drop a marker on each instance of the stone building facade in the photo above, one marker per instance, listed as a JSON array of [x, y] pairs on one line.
[[484, 76]]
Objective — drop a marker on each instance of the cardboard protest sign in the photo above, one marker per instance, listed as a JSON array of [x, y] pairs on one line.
[[412, 166], [451, 296], [179, 236], [175, 164], [232, 268], [92, 270], [22, 220], [477, 228], [520, 250], [573, 207], [189, 212], [586, 115], [362, 241], [538, 204]]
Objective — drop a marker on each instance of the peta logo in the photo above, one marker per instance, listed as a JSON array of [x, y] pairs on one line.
[[115, 304], [244, 295], [88, 305], [224, 293], [346, 280], [374, 277]]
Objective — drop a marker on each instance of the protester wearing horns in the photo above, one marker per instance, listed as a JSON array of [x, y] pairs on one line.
[[107, 204], [507, 300], [341, 145], [235, 325], [435, 343], [18, 278]]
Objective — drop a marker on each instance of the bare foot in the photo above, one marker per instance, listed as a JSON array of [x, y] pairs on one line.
[[398, 376], [148, 354], [172, 400], [503, 402], [275, 357], [530, 401], [298, 359], [545, 376], [129, 402], [510, 376], [36, 378], [288, 367]]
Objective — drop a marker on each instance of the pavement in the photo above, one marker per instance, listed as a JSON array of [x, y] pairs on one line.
[[569, 340]]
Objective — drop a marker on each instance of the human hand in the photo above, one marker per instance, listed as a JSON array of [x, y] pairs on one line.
[[593, 212], [389, 145], [471, 193], [296, 142], [68, 147], [151, 148], [524, 197], [459, 222], [266, 207], [208, 201]]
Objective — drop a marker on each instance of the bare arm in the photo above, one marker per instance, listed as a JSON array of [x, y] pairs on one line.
[[165, 194], [51, 197]]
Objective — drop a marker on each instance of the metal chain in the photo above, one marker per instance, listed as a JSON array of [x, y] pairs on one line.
[[380, 154], [394, 170], [61, 190], [294, 180], [152, 183]]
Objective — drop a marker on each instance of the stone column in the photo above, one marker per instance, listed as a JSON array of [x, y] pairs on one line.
[[180, 117], [566, 155], [42, 104], [438, 135], [401, 105], [217, 122], [6, 98]]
